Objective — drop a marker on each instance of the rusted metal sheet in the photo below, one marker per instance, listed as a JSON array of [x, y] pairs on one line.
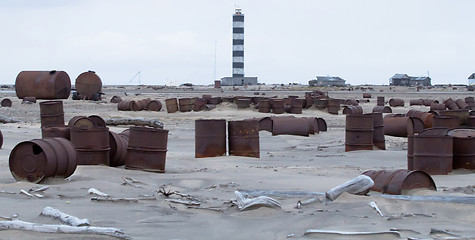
[[463, 148], [396, 102], [210, 138], [88, 85], [433, 154], [6, 102], [52, 114], [461, 114], [264, 106], [244, 138], [116, 99], [92, 145], [322, 124], [155, 105], [243, 103], [359, 132], [402, 126], [290, 125], [445, 121], [351, 110], [147, 149], [380, 101], [172, 105], [333, 106], [128, 105], [43, 84], [278, 106], [462, 104], [80, 121], [382, 109], [397, 182], [378, 131], [38, 159], [56, 132], [451, 104], [118, 149]]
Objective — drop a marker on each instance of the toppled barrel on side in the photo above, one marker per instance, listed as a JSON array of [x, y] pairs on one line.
[[382, 109], [397, 182], [396, 102], [290, 125], [43, 84]]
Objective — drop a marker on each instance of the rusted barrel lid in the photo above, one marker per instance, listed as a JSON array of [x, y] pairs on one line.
[[80, 121], [6, 102], [438, 131], [97, 121], [397, 182], [1, 139], [462, 133], [155, 105], [322, 124]]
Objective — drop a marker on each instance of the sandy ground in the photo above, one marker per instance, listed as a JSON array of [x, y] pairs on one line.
[[288, 163]]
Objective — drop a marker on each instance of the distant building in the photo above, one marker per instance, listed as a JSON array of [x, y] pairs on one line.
[[471, 79], [322, 81], [238, 78], [406, 80]]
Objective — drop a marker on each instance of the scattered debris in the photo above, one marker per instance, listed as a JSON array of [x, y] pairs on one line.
[[317, 231], [110, 199], [41, 189], [243, 202], [376, 208], [68, 219], [155, 123], [26, 193], [185, 202], [358, 186], [131, 182], [97, 192]]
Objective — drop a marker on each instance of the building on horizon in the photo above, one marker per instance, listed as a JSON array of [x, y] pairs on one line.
[[471, 79], [238, 78], [406, 80], [327, 81]]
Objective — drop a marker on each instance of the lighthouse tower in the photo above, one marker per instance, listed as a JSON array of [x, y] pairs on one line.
[[238, 78]]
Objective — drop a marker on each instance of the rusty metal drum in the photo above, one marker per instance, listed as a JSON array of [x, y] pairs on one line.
[[116, 99], [462, 104], [244, 138], [433, 154], [118, 149], [382, 109], [359, 132], [366, 95], [321, 103], [29, 100], [278, 106], [410, 152], [147, 149], [471, 121], [38, 159], [351, 110], [200, 104], [243, 103], [80, 121], [97, 121], [471, 102], [6, 102], [210, 138], [154, 105], [451, 104], [461, 114], [296, 105], [265, 124], [416, 102], [312, 125], [172, 105], [402, 126], [351, 102], [264, 105], [43, 84], [427, 118], [52, 114], [397, 182], [88, 84], [437, 106], [185, 104], [290, 125], [464, 150], [322, 124], [140, 105], [128, 105], [378, 131], [333, 106], [445, 121], [56, 132], [396, 102], [380, 101], [92, 145]]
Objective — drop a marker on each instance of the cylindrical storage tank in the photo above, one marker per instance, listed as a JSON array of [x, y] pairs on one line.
[[116, 99], [38, 159], [462, 104], [243, 103], [359, 132], [43, 84], [56, 132], [321, 103], [290, 125], [380, 101], [6, 102], [154, 105], [172, 105], [147, 149], [366, 95], [397, 182], [88, 84], [378, 131], [351, 110], [80, 121], [128, 105], [217, 84], [461, 114], [278, 106], [463, 148], [417, 102], [118, 149], [445, 121], [382, 109], [410, 152], [264, 106], [433, 154], [437, 107], [52, 114], [244, 138], [451, 104], [92, 145], [396, 102], [333, 106], [296, 106], [97, 121], [210, 138]]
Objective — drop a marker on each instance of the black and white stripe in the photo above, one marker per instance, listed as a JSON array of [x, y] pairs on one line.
[[238, 44]]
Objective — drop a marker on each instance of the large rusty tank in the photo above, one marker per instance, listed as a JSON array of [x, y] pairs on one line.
[[43, 84], [88, 85]]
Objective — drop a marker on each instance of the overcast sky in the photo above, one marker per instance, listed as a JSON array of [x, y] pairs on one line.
[[364, 42]]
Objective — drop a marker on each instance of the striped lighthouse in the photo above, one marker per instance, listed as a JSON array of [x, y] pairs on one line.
[[238, 43]]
